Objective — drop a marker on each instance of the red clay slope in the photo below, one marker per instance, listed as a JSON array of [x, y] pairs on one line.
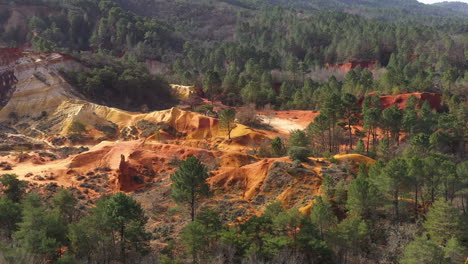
[[401, 99]]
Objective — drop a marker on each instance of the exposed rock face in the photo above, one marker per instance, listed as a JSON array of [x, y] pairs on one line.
[[183, 92], [401, 99], [36, 95], [31, 83], [270, 180], [8, 79]]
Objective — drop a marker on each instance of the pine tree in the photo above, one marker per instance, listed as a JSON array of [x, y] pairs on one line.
[[391, 120], [189, 183], [454, 251], [12, 187], [442, 222], [65, 203], [227, 118], [211, 84], [328, 187], [333, 110], [350, 110], [196, 238], [39, 231], [10, 215], [322, 215], [360, 148], [340, 193], [298, 138], [392, 178], [422, 250], [363, 197], [349, 236], [127, 219]]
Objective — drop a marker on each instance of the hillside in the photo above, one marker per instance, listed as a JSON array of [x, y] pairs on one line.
[[368, 8], [458, 6], [233, 131]]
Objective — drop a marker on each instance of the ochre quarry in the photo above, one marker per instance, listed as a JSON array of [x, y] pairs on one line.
[[137, 152]]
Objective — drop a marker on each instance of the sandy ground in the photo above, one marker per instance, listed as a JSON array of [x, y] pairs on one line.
[[285, 121], [281, 124], [56, 168]]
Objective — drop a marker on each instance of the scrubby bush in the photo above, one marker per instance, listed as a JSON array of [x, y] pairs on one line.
[[205, 109], [247, 115], [76, 127], [299, 153]]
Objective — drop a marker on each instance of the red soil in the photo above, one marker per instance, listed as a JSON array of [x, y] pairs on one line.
[[401, 99], [346, 67], [9, 55]]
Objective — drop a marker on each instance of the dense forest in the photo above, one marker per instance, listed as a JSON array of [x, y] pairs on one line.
[[263, 47], [409, 207]]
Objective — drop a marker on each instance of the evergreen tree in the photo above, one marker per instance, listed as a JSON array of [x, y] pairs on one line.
[[363, 197], [200, 235], [12, 187], [322, 215], [298, 138], [442, 222], [65, 203], [340, 193], [277, 147], [454, 251], [360, 148], [189, 183], [422, 250], [328, 187], [39, 232], [211, 84], [10, 216], [127, 219], [350, 237], [350, 110], [227, 118], [392, 179], [391, 120], [332, 109]]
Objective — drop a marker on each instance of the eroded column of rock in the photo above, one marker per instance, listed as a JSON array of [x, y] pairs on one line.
[[124, 181], [132, 176]]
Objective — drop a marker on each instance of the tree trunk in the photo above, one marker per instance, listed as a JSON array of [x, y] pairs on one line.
[[463, 203], [395, 203], [368, 140], [192, 206], [432, 193], [350, 137], [122, 244], [416, 201]]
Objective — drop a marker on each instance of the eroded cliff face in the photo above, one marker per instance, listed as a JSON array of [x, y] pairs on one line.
[[132, 147], [38, 102], [39, 86], [400, 100], [8, 80]]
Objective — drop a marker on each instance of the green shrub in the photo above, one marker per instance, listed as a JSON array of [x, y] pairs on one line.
[[299, 153], [76, 127], [204, 109]]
